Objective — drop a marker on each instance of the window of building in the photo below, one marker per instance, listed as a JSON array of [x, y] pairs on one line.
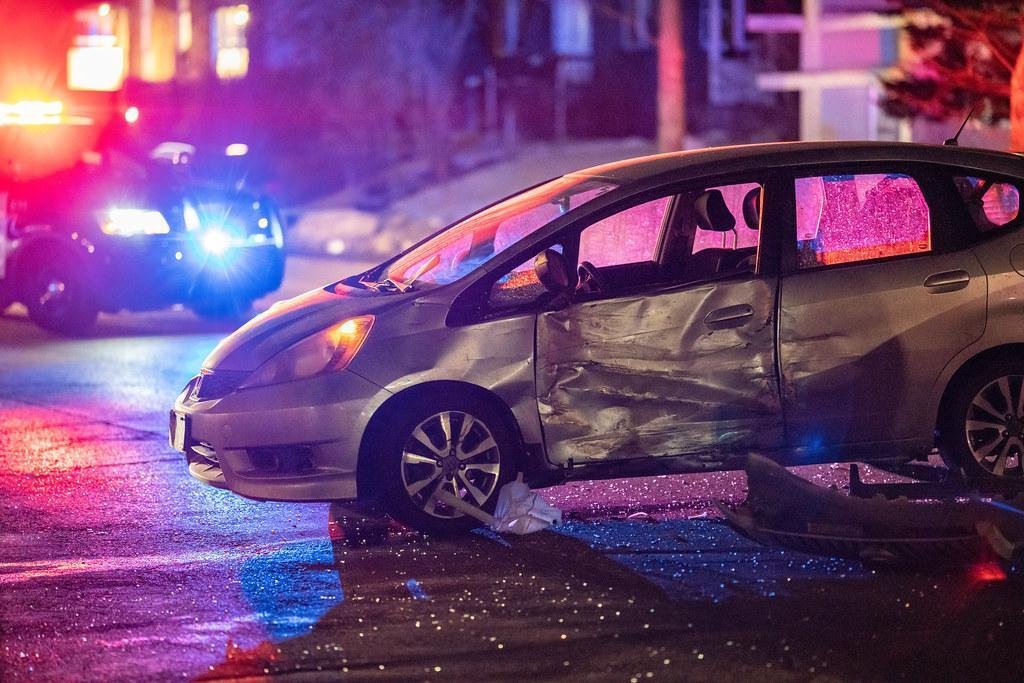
[[635, 25], [230, 50], [97, 59], [850, 218], [630, 236], [991, 204], [571, 28], [184, 42]]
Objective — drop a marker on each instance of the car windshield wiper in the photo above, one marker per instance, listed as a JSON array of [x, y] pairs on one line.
[[390, 284], [385, 285]]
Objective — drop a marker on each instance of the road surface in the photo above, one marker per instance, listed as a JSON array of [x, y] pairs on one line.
[[115, 565]]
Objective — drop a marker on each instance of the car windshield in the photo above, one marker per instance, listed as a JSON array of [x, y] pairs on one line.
[[474, 241]]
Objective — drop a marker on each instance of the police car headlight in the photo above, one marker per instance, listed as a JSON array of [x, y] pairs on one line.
[[128, 222]]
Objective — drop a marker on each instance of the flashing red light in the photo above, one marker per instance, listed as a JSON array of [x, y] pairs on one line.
[[31, 113]]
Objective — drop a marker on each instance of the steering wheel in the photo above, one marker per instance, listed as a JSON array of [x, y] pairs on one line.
[[746, 264], [738, 262], [591, 280]]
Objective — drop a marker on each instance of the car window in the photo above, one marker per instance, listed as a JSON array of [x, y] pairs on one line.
[[743, 236], [728, 243], [851, 218], [630, 236], [990, 203], [518, 287]]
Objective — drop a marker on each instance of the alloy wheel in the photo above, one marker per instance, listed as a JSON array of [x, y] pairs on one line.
[[995, 426], [451, 451]]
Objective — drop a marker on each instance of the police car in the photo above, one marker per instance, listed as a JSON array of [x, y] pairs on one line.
[[120, 232]]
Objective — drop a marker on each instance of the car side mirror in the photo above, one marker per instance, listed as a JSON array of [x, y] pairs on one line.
[[552, 271], [712, 213]]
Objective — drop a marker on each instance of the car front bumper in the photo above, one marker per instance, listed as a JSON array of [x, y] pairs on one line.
[[296, 441]]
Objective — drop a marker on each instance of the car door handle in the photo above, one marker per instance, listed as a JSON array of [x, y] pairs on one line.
[[730, 316], [949, 281]]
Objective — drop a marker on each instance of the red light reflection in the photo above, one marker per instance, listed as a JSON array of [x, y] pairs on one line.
[[987, 572]]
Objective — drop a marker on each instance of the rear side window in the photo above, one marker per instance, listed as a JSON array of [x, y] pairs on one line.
[[992, 204], [851, 218]]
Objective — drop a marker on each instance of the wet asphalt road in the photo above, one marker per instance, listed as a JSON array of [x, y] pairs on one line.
[[115, 565]]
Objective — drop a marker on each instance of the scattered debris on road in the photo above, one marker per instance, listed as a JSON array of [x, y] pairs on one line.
[[947, 526]]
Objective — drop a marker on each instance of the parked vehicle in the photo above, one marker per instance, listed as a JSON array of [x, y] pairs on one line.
[[120, 233], [812, 302]]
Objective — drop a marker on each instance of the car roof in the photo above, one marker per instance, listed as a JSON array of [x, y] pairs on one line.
[[714, 160]]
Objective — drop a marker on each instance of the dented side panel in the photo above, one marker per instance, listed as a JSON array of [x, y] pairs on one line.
[[862, 346], [647, 375]]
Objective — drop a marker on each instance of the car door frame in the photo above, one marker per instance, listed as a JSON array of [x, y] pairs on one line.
[[469, 307], [945, 240]]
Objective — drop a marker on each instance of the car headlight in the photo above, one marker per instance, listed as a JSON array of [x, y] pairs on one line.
[[128, 222], [328, 350]]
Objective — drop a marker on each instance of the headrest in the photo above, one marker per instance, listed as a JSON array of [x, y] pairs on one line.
[[712, 212], [752, 208]]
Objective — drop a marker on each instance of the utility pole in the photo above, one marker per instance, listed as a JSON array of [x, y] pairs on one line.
[[1017, 98], [671, 77]]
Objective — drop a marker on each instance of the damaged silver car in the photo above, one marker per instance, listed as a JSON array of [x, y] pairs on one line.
[[812, 302]]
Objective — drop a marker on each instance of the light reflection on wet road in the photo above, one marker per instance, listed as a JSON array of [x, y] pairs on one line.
[[115, 565]]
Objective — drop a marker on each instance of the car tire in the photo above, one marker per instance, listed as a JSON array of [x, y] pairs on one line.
[[432, 446], [983, 428], [59, 299]]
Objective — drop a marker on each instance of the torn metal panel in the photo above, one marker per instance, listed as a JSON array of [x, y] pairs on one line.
[[657, 374], [783, 509], [845, 334]]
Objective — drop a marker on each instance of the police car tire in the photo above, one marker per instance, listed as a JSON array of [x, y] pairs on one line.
[[75, 314]]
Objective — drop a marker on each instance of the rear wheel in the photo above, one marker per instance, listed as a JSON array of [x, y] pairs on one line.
[[458, 446], [983, 431], [59, 300]]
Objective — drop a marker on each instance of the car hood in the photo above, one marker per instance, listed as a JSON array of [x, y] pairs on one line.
[[291, 320]]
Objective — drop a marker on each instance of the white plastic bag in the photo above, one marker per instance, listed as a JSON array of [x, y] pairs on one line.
[[518, 511], [521, 511]]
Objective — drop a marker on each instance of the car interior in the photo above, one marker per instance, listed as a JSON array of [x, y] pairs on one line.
[[701, 215], [708, 211]]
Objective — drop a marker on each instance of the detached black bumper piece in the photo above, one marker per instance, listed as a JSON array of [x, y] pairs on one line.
[[782, 509]]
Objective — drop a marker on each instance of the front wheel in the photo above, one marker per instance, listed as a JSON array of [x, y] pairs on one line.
[[462, 447], [58, 299], [983, 431]]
